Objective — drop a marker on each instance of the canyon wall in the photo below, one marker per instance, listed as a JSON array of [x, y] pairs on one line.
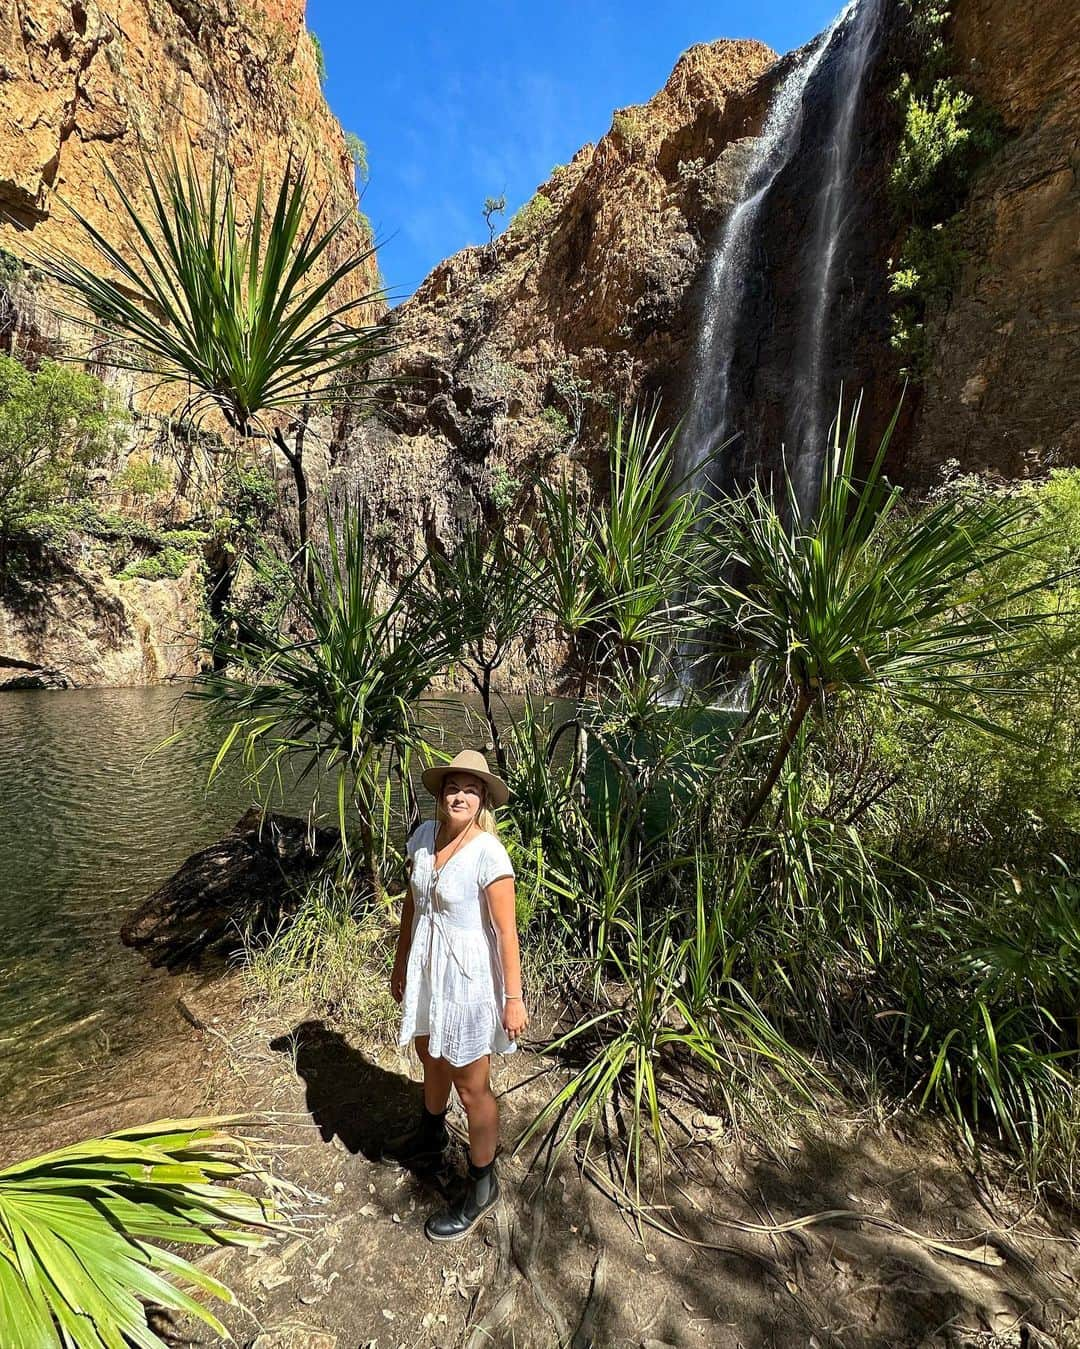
[[86, 91], [514, 354], [1003, 390], [511, 357]]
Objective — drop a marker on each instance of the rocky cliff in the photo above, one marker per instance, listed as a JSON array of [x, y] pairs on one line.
[[1003, 392], [515, 353], [87, 89], [512, 355]]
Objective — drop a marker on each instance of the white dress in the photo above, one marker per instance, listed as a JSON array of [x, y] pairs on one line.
[[454, 978]]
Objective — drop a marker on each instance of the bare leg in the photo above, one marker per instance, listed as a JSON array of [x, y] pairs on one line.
[[474, 1090], [437, 1078]]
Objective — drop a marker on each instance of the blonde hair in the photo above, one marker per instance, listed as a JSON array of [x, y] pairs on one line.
[[485, 816]]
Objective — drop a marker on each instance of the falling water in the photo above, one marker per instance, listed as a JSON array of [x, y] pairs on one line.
[[808, 418], [707, 417]]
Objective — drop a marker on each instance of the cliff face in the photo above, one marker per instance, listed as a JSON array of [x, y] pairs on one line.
[[86, 87], [1004, 386], [511, 357], [514, 353], [78, 625]]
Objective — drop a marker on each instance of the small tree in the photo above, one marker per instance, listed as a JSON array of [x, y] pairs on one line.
[[822, 603], [55, 425], [493, 206], [341, 704], [142, 479], [244, 319], [486, 593], [357, 152]]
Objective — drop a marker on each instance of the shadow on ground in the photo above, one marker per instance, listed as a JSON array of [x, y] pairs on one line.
[[349, 1096]]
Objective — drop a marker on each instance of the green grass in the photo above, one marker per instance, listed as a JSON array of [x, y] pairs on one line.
[[334, 954]]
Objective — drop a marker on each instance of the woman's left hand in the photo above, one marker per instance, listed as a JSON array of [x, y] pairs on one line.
[[515, 1017]]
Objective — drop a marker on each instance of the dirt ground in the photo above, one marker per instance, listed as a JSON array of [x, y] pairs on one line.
[[863, 1235]]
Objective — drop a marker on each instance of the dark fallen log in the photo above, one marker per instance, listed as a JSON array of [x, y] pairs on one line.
[[246, 881]]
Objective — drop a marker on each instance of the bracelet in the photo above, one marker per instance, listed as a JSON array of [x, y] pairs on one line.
[[513, 997]]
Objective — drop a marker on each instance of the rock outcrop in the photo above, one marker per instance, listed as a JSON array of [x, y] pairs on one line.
[[245, 882], [73, 624], [1003, 392], [513, 354]]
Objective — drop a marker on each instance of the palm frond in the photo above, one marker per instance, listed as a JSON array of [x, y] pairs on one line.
[[85, 1232], [243, 320]]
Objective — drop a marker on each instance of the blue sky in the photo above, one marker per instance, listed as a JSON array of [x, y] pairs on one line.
[[459, 101]]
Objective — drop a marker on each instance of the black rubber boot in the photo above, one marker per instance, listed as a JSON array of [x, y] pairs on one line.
[[481, 1194], [423, 1145]]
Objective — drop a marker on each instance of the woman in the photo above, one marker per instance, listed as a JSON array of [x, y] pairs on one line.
[[457, 975]]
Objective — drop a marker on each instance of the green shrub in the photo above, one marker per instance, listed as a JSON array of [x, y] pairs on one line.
[[55, 525], [11, 269], [946, 134], [629, 126], [504, 488], [142, 477], [247, 501], [56, 424], [170, 564], [357, 152], [320, 57], [531, 217], [936, 133], [555, 423]]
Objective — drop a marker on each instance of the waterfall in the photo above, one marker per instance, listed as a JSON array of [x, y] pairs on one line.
[[735, 262], [814, 402], [707, 416]]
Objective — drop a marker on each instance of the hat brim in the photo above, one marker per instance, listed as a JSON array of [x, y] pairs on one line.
[[498, 791]]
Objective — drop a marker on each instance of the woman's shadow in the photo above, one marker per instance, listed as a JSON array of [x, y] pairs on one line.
[[349, 1097]]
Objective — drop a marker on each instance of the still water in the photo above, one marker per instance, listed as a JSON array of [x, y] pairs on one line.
[[92, 820]]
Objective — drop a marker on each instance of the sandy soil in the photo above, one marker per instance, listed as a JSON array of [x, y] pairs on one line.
[[856, 1235]]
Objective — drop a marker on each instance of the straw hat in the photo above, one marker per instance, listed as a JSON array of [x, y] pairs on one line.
[[468, 761]]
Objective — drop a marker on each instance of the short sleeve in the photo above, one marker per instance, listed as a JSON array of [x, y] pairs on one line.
[[495, 862], [413, 843]]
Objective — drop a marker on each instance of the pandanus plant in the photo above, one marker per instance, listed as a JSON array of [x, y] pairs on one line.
[[252, 319], [839, 600], [340, 704]]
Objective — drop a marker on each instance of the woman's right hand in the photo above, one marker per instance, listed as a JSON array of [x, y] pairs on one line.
[[397, 979]]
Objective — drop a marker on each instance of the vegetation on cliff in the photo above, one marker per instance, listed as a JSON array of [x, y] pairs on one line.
[[946, 134], [57, 424]]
